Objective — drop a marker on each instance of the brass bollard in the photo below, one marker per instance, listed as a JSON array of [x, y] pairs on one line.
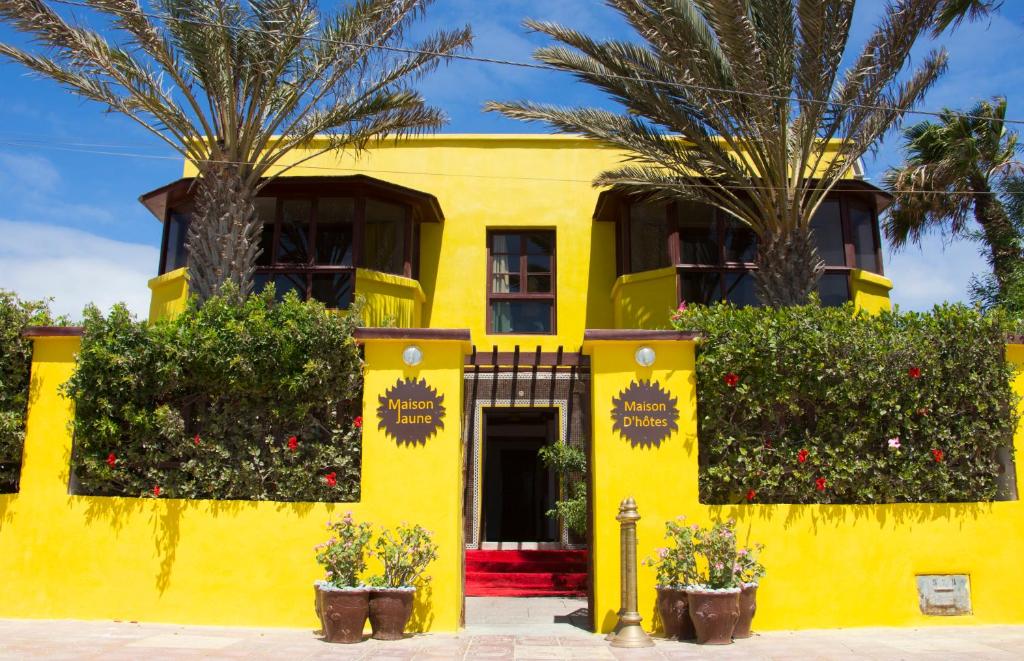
[[628, 632]]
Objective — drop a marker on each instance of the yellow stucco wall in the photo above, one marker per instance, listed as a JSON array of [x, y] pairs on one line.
[[828, 565], [218, 562], [499, 182], [389, 300], [645, 300], [870, 291], [170, 294]]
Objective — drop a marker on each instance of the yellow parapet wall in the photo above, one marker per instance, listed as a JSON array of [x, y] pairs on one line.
[[870, 291], [170, 294], [645, 300], [218, 562], [828, 565], [389, 300]]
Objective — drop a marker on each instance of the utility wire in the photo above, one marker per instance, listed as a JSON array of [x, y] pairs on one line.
[[548, 67], [69, 147]]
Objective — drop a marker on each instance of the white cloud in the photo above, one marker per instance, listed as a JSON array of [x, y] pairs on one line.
[[20, 173], [933, 273], [74, 267]]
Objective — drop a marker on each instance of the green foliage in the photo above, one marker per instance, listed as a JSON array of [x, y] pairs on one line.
[[15, 362], [717, 568], [570, 464], [676, 563], [343, 556], [748, 564], [821, 405], [405, 553], [251, 401]]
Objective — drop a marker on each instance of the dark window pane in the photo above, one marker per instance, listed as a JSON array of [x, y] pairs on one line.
[[505, 284], [177, 234], [266, 209], [828, 233], [334, 216], [540, 243], [384, 241], [293, 243], [834, 289], [648, 237], [283, 283], [740, 242], [505, 243], [521, 316], [538, 263], [862, 226], [739, 289], [696, 287], [538, 284], [333, 289], [698, 234]]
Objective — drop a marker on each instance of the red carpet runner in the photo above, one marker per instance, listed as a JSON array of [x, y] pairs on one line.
[[526, 573]]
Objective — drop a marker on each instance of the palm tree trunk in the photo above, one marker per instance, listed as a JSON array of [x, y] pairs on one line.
[[1001, 237], [224, 235], [788, 267]]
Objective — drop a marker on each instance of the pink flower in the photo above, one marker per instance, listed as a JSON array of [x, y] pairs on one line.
[[741, 552], [682, 306], [719, 565], [894, 442]]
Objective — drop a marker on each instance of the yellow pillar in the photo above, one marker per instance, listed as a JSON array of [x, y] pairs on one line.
[[419, 483], [661, 477]]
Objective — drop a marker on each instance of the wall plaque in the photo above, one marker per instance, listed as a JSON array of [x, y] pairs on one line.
[[645, 414], [411, 411]]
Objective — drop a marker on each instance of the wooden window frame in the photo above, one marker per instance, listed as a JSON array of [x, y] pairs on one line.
[[523, 274], [724, 267]]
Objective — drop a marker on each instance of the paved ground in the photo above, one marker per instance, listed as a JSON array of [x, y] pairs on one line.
[[487, 637]]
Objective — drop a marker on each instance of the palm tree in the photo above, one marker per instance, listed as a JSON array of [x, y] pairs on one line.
[[234, 87], [953, 12], [954, 172], [741, 104]]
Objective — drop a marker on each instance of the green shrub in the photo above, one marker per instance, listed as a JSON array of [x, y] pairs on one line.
[[570, 465], [810, 404], [252, 401], [15, 362]]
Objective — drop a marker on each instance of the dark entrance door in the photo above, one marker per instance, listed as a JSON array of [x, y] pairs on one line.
[[518, 489]]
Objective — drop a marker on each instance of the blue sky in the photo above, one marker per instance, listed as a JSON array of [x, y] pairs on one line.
[[71, 228]]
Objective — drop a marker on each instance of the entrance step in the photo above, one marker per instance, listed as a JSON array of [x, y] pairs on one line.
[[526, 573]]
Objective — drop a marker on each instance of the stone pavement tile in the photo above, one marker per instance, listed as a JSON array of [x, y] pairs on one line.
[[547, 641], [589, 640], [490, 652]]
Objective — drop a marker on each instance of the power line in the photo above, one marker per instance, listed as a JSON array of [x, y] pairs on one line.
[[548, 67], [69, 147]]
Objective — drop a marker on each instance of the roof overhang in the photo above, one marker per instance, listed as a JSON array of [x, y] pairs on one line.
[[609, 201], [427, 208]]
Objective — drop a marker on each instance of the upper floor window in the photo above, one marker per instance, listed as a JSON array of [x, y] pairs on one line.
[[521, 282], [317, 231], [715, 255]]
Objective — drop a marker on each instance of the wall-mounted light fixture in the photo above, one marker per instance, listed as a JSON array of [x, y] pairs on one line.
[[412, 355], [644, 356]]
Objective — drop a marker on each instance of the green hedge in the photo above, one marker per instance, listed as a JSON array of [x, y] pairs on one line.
[[807, 404], [251, 401], [15, 361]]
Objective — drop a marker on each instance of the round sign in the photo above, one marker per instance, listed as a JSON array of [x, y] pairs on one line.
[[645, 414], [410, 411]]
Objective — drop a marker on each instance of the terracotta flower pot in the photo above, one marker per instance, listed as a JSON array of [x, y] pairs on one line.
[[748, 606], [675, 613], [390, 610], [318, 605], [343, 613], [714, 614]]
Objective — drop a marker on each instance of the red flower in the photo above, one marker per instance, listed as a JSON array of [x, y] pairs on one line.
[[914, 372], [802, 455], [196, 439], [820, 483], [293, 443], [111, 459], [731, 379], [938, 455], [358, 421], [156, 490], [331, 479], [751, 494]]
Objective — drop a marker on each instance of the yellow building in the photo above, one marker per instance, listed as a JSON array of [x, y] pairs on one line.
[[536, 307]]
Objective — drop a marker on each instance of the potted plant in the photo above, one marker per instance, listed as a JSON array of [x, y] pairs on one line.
[[676, 566], [342, 602], [750, 571], [405, 556], [714, 600]]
